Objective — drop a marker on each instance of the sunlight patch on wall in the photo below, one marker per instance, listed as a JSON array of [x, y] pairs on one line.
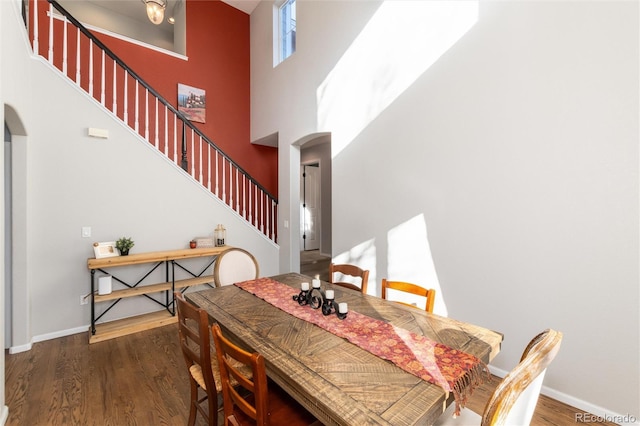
[[401, 41], [409, 259], [364, 256]]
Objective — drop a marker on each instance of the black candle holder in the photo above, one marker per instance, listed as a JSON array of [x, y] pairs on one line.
[[316, 298], [313, 298], [302, 298], [329, 307]]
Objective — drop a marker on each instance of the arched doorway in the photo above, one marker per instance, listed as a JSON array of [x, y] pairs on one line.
[[17, 336]]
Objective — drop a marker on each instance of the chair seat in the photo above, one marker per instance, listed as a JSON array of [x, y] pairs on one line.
[[196, 373], [280, 410]]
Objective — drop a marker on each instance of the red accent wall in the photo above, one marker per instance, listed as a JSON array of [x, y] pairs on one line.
[[218, 62]]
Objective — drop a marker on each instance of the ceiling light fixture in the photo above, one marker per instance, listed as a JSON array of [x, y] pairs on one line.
[[155, 10]]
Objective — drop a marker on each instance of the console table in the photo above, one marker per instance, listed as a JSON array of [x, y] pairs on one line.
[[170, 260]]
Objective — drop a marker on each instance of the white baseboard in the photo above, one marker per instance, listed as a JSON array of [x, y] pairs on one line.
[[21, 348], [4, 414], [598, 414], [48, 336]]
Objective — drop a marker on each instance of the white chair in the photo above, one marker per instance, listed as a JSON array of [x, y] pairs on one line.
[[514, 400], [234, 265]]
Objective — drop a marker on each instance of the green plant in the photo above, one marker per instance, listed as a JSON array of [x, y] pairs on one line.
[[124, 244]]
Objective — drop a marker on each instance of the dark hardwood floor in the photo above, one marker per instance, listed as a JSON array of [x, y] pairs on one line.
[[138, 379]]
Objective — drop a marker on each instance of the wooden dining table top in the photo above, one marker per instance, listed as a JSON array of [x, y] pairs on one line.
[[337, 381]]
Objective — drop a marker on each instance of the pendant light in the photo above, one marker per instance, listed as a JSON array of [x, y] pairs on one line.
[[155, 10]]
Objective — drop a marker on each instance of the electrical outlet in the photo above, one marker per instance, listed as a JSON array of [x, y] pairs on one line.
[[84, 299]]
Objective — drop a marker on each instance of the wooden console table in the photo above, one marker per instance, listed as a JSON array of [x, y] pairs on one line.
[[169, 259]]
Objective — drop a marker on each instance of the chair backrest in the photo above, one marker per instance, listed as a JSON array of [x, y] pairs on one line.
[[514, 400], [234, 265], [230, 358], [193, 330], [350, 270], [428, 293]]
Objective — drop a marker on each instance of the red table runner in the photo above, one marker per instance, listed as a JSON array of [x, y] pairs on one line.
[[453, 370]]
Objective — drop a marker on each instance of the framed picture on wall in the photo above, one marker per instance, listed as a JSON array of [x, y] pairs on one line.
[[105, 249], [192, 102]]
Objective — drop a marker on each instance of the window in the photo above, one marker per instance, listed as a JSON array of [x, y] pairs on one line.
[[287, 28]]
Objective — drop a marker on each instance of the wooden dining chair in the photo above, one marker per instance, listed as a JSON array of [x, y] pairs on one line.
[[235, 265], [514, 400], [256, 400], [352, 271], [204, 378], [428, 293]]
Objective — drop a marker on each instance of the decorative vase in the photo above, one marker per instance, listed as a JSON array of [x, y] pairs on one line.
[[124, 252]]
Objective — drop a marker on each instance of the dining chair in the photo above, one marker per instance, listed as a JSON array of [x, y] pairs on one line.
[[514, 399], [428, 293], [352, 271], [193, 330], [255, 400], [234, 265]]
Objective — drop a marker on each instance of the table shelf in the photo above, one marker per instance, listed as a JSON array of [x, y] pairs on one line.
[[130, 325], [112, 329]]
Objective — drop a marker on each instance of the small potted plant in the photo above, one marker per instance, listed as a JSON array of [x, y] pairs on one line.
[[124, 244]]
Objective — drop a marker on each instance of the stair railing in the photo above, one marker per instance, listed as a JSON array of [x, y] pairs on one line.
[[93, 67]]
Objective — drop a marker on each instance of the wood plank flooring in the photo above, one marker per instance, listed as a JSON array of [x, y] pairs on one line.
[[139, 379]]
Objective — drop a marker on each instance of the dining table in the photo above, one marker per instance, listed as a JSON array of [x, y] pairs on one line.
[[339, 382]]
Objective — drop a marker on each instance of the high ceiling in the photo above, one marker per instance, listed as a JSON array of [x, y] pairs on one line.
[[134, 9]]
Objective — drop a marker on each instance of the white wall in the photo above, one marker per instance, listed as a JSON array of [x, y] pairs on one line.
[[510, 164], [119, 187]]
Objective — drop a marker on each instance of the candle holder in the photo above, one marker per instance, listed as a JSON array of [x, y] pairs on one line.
[[342, 311], [316, 298], [302, 298], [329, 307]]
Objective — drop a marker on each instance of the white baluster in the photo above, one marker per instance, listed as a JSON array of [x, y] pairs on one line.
[[244, 196], [146, 114], [262, 211], [231, 167], [273, 218], [78, 56], [237, 193], [209, 167], [50, 33], [175, 139], [102, 76], [200, 165], [224, 179], [114, 89], [166, 131], [64, 46], [217, 173], [155, 139], [249, 183], [91, 67], [126, 97], [137, 109], [193, 155], [35, 28], [256, 208]]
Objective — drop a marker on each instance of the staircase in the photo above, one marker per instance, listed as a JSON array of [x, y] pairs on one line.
[[88, 63]]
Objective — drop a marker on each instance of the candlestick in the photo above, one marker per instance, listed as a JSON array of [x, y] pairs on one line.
[[342, 310]]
